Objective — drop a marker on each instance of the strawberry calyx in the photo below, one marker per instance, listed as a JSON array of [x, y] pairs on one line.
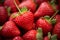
[[15, 15], [22, 10], [49, 35], [54, 37], [51, 19], [39, 35]]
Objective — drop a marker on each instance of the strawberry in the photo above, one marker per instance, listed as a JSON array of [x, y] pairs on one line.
[[57, 17], [56, 30], [10, 3], [27, 4], [44, 9], [44, 24], [17, 38], [9, 29], [3, 15], [25, 19], [33, 35]]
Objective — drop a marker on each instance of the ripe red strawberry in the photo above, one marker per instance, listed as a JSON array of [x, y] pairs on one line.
[[10, 3], [25, 19], [9, 29], [3, 15], [44, 9], [44, 24], [33, 35], [56, 30], [29, 4], [57, 17], [17, 38]]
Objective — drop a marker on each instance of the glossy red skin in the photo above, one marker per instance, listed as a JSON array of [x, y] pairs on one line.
[[17, 38], [46, 38], [45, 25], [44, 9], [10, 3], [25, 20], [29, 4], [40, 1], [9, 29], [57, 17], [30, 35], [3, 15], [56, 30]]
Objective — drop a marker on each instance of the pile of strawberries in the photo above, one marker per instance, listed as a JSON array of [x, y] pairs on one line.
[[29, 20]]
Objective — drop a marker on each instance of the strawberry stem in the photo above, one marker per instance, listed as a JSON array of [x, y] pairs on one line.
[[53, 15], [17, 6], [39, 35]]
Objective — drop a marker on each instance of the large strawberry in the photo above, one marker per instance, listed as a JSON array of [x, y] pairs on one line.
[[44, 9], [24, 19], [17, 38], [3, 15], [9, 29], [29, 4], [10, 3], [33, 35], [56, 30]]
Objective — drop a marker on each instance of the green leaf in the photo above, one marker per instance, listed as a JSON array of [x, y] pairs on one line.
[[39, 35], [53, 21], [24, 9], [54, 37]]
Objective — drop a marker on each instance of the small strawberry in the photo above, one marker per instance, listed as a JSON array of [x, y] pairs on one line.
[[9, 29], [29, 4], [44, 9], [24, 19], [10, 3], [17, 38], [3, 15], [57, 17], [33, 35], [56, 30], [44, 24]]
